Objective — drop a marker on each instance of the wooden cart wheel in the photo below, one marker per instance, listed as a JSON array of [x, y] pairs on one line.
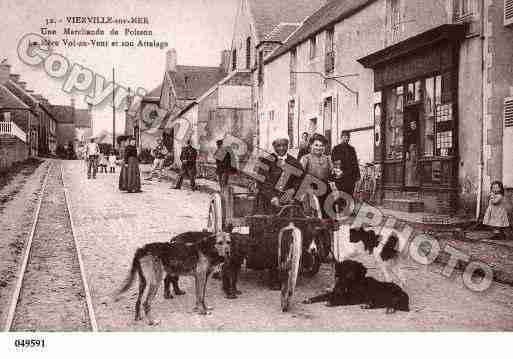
[[289, 254], [215, 214]]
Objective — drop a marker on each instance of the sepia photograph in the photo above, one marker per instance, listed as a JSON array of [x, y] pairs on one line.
[[255, 166]]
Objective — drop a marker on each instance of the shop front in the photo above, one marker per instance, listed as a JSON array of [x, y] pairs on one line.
[[416, 120]]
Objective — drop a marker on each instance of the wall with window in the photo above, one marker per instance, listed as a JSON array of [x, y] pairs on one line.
[[406, 18], [242, 32], [321, 106], [499, 78]]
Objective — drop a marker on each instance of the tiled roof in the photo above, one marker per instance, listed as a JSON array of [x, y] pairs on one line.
[[82, 118], [22, 94], [333, 12], [191, 81], [8, 99], [269, 13], [62, 113], [281, 32]]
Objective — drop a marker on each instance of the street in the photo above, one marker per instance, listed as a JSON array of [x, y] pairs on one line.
[[111, 225]]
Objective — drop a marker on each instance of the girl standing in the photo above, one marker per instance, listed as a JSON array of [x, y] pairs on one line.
[[496, 215]]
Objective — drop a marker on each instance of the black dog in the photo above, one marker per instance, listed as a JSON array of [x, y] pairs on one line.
[[352, 287]]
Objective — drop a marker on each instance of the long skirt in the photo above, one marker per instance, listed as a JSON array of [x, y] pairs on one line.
[[123, 178], [134, 176]]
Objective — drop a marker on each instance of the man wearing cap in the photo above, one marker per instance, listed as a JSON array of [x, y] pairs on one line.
[[282, 174], [348, 171], [188, 157], [280, 182]]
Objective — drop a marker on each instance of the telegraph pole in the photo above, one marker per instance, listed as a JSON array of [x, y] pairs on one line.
[[113, 110]]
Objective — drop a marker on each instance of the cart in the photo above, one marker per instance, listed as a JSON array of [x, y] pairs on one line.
[[289, 240]]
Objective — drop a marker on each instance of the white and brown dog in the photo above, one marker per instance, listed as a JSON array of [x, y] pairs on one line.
[[389, 251]]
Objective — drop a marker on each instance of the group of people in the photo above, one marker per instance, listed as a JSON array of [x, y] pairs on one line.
[[338, 170], [97, 161]]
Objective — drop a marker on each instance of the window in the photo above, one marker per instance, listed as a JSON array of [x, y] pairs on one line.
[[312, 125], [290, 122], [293, 75], [260, 67], [508, 12], [248, 53], [395, 19], [464, 9], [313, 47], [234, 59], [330, 53], [328, 114]]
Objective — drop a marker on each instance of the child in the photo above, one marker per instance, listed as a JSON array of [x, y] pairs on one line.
[[496, 215], [103, 163], [112, 162]]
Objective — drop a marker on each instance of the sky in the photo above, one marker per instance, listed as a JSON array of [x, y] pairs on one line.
[[198, 29]]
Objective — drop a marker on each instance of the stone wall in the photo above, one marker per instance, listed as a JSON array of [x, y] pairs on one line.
[[11, 150]]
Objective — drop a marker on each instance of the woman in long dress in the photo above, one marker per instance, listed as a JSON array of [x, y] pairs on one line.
[[319, 165], [123, 173], [133, 173]]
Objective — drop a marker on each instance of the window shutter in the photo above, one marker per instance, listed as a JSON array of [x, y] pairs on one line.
[[321, 113], [508, 112], [508, 12]]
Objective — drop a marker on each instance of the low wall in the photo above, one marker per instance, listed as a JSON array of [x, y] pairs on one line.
[[12, 150]]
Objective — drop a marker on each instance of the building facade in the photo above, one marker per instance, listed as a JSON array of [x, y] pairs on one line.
[[407, 79]]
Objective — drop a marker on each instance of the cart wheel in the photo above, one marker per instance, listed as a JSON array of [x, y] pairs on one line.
[[215, 222], [289, 254]]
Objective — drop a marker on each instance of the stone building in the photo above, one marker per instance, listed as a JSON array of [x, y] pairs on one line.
[[406, 78]]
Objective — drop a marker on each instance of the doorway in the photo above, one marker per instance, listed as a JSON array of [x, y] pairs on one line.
[[411, 147]]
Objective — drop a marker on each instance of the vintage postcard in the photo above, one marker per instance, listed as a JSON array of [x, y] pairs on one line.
[[256, 165]]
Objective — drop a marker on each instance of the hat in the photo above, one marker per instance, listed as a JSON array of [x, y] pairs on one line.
[[282, 140]]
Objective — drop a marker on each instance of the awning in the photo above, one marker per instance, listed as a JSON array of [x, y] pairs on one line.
[[447, 32]]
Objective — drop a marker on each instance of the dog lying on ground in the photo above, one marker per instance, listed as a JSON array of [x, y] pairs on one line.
[[191, 253], [389, 252], [353, 287]]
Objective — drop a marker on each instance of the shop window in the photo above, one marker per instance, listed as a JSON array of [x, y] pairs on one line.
[[444, 130], [394, 124]]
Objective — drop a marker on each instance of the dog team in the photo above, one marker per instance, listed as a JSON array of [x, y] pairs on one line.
[[200, 254]]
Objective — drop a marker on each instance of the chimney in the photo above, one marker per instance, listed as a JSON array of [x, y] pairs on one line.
[[5, 71], [171, 60], [72, 102], [225, 60]]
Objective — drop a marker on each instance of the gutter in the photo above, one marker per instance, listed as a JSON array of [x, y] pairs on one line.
[[483, 114]]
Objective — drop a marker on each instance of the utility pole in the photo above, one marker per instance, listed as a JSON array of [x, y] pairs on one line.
[[113, 110]]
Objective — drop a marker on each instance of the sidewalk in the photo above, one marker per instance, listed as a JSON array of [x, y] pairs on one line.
[[448, 230]]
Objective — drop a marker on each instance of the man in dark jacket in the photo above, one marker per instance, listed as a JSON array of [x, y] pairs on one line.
[[346, 165], [223, 164], [282, 173], [188, 158]]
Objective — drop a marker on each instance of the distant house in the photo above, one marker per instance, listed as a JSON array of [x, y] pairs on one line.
[[181, 86], [13, 139], [73, 125]]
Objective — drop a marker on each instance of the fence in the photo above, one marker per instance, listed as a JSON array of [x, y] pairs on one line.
[[10, 128]]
